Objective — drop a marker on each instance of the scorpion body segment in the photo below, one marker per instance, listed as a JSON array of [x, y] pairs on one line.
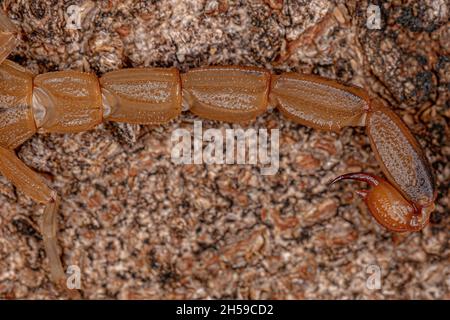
[[142, 96], [388, 206], [8, 36], [318, 102], [72, 101], [401, 158], [16, 117], [231, 93], [68, 101]]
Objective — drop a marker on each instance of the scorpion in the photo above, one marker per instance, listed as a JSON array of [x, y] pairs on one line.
[[73, 101]]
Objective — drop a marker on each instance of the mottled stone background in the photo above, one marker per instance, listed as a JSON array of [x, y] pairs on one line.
[[139, 226]]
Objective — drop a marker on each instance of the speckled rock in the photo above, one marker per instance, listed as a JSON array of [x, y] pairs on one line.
[[139, 226]]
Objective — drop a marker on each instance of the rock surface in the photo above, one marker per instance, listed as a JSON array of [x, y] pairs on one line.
[[139, 226]]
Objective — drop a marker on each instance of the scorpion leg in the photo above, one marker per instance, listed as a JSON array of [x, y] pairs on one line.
[[33, 185], [403, 202]]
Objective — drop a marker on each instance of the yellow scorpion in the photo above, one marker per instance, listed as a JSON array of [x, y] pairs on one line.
[[72, 101]]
